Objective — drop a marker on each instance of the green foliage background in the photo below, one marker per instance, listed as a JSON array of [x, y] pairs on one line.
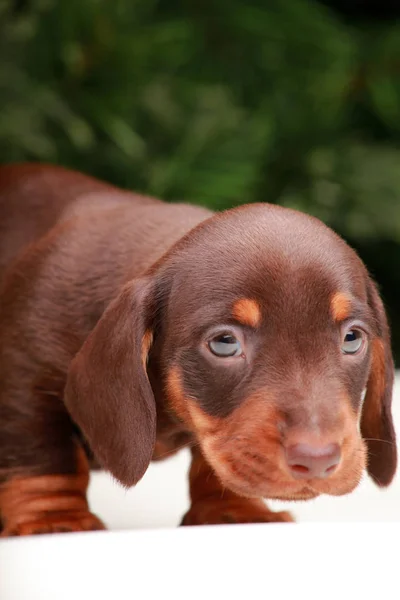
[[216, 102]]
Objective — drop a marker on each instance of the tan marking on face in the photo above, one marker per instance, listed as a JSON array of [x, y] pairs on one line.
[[175, 395], [186, 408], [147, 341], [204, 425], [245, 449], [247, 312], [340, 307], [223, 440]]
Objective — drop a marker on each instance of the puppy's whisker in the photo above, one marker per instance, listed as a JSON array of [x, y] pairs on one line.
[[178, 449], [377, 440]]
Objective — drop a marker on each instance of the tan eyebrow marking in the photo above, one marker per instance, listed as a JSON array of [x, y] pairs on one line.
[[340, 306], [247, 312]]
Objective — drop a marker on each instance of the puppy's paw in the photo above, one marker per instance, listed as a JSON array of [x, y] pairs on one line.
[[60, 522]]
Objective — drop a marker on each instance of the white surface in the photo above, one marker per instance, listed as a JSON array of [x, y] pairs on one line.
[[277, 561], [271, 562]]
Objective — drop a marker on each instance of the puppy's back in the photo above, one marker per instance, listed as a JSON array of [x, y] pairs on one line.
[[34, 198]]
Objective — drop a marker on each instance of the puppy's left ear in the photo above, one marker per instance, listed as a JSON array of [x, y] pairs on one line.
[[108, 393], [376, 420]]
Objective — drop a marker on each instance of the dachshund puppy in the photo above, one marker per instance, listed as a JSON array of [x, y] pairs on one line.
[[130, 328]]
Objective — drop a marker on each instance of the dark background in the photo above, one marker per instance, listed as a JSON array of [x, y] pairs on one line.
[[218, 102]]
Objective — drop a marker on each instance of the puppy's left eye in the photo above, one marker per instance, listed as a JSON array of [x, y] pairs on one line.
[[353, 341], [225, 345]]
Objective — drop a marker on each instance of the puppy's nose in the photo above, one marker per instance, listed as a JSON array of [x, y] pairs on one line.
[[306, 462]]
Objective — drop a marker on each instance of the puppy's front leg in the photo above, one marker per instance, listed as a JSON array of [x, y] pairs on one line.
[[211, 504], [32, 503]]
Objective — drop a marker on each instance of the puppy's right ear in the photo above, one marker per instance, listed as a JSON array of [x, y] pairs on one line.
[[376, 420], [108, 393]]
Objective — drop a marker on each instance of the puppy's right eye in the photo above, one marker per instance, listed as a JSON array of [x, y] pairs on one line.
[[225, 345]]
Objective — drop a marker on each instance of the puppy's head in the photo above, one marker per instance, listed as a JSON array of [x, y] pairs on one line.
[[273, 348]]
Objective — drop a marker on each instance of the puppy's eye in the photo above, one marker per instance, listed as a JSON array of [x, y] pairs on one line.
[[225, 345], [353, 341]]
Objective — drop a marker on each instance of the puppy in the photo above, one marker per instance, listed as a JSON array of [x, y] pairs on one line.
[[130, 328]]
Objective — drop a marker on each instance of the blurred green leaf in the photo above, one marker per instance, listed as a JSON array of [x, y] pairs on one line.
[[214, 102]]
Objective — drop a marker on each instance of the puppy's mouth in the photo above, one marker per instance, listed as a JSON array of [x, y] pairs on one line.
[[269, 491], [285, 490], [303, 493]]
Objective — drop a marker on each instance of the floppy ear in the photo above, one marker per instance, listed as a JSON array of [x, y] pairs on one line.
[[108, 393], [376, 419]]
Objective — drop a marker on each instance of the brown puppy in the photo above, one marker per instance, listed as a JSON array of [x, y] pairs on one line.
[[130, 328]]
